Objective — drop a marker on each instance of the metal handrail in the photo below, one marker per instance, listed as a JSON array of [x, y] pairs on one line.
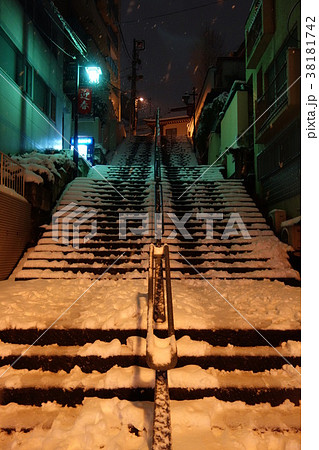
[[160, 305], [158, 192], [157, 154], [160, 290], [12, 174]]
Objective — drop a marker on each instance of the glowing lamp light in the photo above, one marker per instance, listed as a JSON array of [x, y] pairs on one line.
[[94, 74], [141, 99]]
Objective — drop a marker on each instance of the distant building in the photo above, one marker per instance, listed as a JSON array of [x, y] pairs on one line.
[[171, 127], [219, 80]]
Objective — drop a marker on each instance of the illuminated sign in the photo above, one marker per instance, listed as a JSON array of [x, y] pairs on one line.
[[84, 100], [83, 140]]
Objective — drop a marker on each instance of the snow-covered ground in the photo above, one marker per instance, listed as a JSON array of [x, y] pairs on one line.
[[118, 424], [122, 304], [121, 425]]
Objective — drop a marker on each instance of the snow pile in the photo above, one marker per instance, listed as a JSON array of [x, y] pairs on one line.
[[122, 304], [122, 425], [270, 246], [41, 167]]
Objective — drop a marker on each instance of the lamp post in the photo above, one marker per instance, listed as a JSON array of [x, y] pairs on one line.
[[137, 101], [185, 99], [94, 78], [76, 119]]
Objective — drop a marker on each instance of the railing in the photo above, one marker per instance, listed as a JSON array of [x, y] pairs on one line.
[[157, 153], [255, 30], [161, 353], [12, 175], [275, 97], [158, 192]]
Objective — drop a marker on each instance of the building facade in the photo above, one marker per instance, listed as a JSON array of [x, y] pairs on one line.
[[97, 25], [256, 132], [32, 101], [41, 44], [217, 84], [272, 69]]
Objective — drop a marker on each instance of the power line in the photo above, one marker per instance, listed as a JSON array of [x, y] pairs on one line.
[[72, 36], [179, 11], [57, 45], [123, 41]]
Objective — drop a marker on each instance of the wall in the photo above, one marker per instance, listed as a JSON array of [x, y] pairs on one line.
[[214, 147], [15, 229], [90, 127], [181, 128], [282, 11], [233, 124], [23, 126], [208, 85]]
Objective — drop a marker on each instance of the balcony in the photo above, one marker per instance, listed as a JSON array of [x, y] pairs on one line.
[[280, 104], [259, 30]]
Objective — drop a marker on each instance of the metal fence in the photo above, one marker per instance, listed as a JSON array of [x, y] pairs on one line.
[[12, 175]]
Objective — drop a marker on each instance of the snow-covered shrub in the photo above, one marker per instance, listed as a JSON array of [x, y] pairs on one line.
[[208, 118]]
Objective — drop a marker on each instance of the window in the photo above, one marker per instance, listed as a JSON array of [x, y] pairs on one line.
[[53, 107], [24, 75], [41, 94], [280, 153], [8, 61], [276, 74], [28, 79], [171, 133], [15, 65]]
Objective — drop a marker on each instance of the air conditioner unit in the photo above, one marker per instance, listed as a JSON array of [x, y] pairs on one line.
[[276, 217], [291, 233]]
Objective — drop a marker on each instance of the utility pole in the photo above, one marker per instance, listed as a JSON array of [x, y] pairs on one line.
[[137, 46], [194, 116], [76, 118], [133, 91]]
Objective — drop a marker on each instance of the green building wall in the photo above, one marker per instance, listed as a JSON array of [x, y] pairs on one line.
[[23, 126], [282, 10]]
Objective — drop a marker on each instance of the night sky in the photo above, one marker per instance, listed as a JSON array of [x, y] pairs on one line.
[[170, 40]]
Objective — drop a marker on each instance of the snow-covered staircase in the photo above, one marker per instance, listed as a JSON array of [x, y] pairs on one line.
[[69, 365], [98, 363], [110, 191], [203, 190]]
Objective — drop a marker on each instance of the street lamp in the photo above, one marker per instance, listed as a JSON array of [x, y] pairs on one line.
[[191, 108], [136, 104], [94, 74], [94, 78]]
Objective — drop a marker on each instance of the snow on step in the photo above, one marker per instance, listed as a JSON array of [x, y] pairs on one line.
[[188, 377], [126, 425], [269, 258], [96, 192], [136, 346]]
